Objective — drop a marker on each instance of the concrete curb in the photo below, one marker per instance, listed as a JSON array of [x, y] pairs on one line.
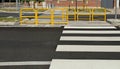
[[114, 22], [7, 23]]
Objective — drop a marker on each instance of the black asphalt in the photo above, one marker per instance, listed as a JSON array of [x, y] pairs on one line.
[[89, 42], [88, 55], [93, 35], [28, 44], [26, 67]]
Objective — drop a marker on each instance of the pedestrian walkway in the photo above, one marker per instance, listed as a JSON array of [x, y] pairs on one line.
[[88, 48], [112, 11]]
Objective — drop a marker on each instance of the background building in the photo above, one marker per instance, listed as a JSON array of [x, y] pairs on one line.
[[72, 3], [90, 3], [66, 3]]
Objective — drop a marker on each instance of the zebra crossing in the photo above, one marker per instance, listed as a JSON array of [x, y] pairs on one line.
[[87, 49]]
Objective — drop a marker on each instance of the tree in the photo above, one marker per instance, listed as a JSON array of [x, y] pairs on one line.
[[35, 1]]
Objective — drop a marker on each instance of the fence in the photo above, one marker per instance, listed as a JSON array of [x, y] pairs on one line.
[[59, 15], [98, 12], [84, 14], [90, 14], [48, 17]]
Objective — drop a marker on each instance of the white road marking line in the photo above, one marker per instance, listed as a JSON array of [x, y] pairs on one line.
[[96, 27], [82, 38], [89, 32], [25, 63], [88, 48]]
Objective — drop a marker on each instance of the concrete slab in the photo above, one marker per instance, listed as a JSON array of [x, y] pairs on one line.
[[84, 64], [89, 25], [115, 22]]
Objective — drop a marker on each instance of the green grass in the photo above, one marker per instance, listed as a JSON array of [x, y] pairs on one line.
[[87, 10], [6, 9], [5, 19]]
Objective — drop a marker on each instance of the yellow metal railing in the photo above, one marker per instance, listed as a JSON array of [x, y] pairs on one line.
[[28, 16], [72, 12], [51, 16], [99, 12], [61, 17], [84, 14]]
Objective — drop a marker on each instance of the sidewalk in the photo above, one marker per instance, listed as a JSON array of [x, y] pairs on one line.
[[90, 25], [71, 24], [112, 11]]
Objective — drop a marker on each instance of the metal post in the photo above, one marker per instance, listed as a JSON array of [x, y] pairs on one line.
[[96, 3], [17, 6], [76, 10], [116, 9], [76, 5], [2, 3], [69, 5], [9, 3]]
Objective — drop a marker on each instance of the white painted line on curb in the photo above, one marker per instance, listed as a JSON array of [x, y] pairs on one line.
[[25, 63]]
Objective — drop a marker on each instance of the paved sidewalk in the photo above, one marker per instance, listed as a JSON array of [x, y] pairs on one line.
[[90, 25], [71, 24], [112, 11]]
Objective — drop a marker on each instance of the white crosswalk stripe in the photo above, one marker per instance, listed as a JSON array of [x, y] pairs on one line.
[[94, 27], [87, 56], [88, 48], [87, 38], [90, 32]]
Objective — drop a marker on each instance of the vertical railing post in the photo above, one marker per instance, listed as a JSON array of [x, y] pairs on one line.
[[20, 17], [52, 16], [104, 14], [36, 16]]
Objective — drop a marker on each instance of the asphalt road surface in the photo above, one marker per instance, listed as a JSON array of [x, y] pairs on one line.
[[87, 49], [18, 44]]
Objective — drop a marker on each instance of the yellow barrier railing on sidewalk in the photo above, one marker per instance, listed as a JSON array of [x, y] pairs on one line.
[[47, 17], [83, 14], [72, 14], [60, 16], [27, 16], [98, 12]]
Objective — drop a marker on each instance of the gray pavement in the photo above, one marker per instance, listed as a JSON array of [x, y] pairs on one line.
[[74, 24], [27, 47]]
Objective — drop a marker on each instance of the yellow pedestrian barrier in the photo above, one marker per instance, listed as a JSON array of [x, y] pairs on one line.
[[47, 17], [72, 12], [83, 14], [34, 16], [98, 12], [60, 16]]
